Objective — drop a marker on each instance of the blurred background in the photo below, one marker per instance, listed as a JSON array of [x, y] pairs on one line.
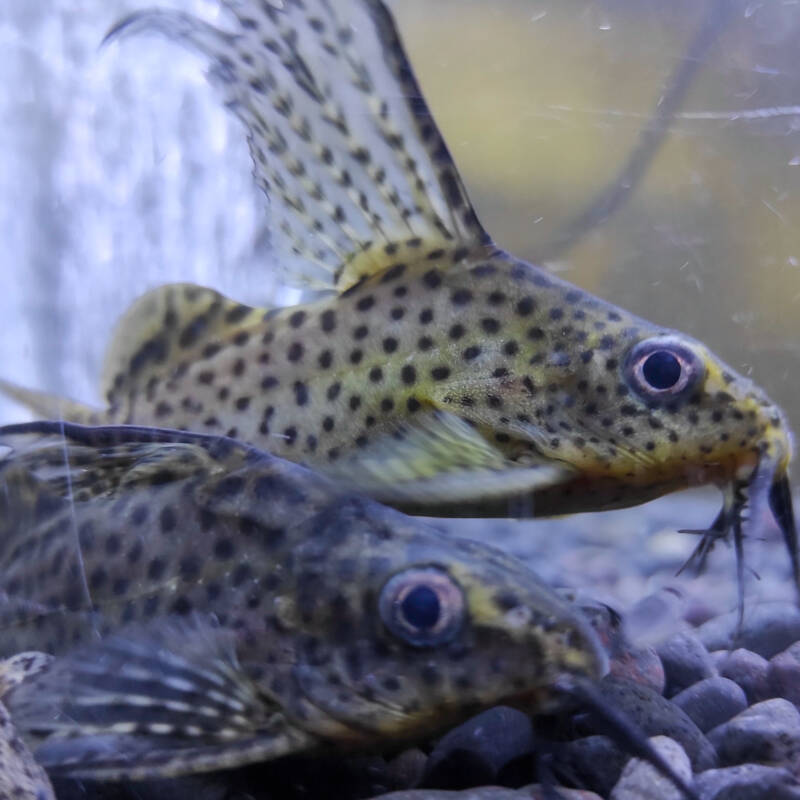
[[119, 170]]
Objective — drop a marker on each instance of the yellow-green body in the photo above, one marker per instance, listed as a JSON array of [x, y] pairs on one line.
[[440, 374], [536, 365]]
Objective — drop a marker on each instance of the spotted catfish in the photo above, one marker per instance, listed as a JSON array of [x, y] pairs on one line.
[[210, 605], [440, 373]]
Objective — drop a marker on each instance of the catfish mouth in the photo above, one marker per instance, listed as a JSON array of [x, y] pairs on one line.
[[767, 487]]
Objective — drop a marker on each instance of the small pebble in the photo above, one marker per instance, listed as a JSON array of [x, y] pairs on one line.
[[594, 761], [655, 617], [481, 750], [656, 715], [768, 629], [532, 792], [686, 661], [642, 781], [784, 674], [766, 732], [711, 702], [641, 665], [405, 770], [750, 671], [747, 782]]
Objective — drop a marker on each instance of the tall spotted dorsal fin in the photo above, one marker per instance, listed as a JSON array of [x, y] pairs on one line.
[[343, 143]]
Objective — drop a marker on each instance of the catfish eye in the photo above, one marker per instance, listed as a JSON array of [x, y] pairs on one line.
[[423, 606], [662, 367]]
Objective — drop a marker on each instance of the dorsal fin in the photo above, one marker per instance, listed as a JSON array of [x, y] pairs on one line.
[[165, 329], [61, 463], [342, 139]]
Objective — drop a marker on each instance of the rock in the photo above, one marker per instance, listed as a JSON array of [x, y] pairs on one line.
[[642, 781], [485, 749], [638, 664], [767, 732], [711, 702], [405, 770], [594, 761], [655, 715], [532, 792], [750, 671], [768, 629], [641, 665], [686, 661], [784, 674], [655, 616], [747, 782]]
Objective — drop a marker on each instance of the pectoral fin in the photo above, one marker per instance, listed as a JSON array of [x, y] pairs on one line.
[[442, 459], [154, 701]]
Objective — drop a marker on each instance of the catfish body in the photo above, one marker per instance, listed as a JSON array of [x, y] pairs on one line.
[[210, 605], [439, 374]]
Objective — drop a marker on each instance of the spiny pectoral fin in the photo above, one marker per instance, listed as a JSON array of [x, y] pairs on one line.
[[441, 458], [165, 328], [343, 143], [164, 699]]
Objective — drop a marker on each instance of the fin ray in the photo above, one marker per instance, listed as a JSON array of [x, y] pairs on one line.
[[342, 140]]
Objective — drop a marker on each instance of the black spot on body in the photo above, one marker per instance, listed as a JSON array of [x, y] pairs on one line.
[[300, 393], [297, 319], [393, 273], [295, 352], [224, 549], [328, 320], [432, 279], [456, 331]]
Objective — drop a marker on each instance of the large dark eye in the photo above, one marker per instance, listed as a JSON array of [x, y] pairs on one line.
[[662, 367], [422, 606]]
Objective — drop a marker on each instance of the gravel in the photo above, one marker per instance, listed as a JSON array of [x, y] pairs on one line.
[[716, 697], [711, 702], [642, 781]]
